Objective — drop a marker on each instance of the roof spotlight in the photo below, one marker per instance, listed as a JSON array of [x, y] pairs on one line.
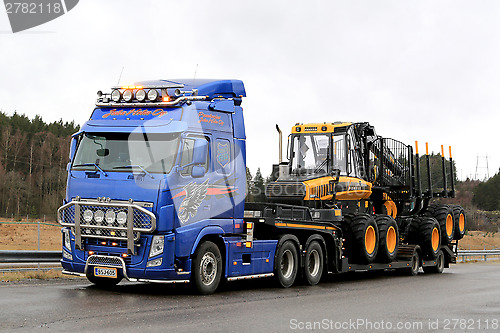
[[140, 95], [153, 94], [116, 95], [128, 95]]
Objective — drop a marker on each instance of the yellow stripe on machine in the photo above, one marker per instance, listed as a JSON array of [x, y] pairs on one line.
[[305, 226]]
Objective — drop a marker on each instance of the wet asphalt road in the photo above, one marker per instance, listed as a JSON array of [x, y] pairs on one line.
[[463, 298]]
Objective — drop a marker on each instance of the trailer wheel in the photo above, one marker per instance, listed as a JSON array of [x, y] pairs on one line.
[[287, 264], [444, 215], [459, 218], [364, 238], [207, 268], [414, 264], [439, 268], [388, 238], [102, 282], [313, 263], [430, 237]]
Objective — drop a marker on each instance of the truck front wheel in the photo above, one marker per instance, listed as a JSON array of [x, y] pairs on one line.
[[207, 268]]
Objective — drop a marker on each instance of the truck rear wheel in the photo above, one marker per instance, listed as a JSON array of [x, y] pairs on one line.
[[414, 264], [287, 264], [207, 268], [444, 215], [388, 238], [439, 268], [459, 218], [313, 263], [364, 238]]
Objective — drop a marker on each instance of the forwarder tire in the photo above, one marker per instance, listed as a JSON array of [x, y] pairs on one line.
[[459, 218], [102, 282], [313, 263], [429, 236], [364, 238], [206, 272], [287, 264], [444, 215], [388, 238], [439, 268]]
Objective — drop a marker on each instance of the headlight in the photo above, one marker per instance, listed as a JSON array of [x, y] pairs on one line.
[[110, 217], [116, 95], [99, 216], [88, 215], [121, 218], [67, 241], [128, 95], [157, 246], [140, 95], [153, 95]]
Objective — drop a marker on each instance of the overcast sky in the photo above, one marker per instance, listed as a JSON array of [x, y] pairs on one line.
[[416, 70]]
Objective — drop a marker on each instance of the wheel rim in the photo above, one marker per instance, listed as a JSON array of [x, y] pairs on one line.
[[461, 222], [314, 263], [287, 264], [208, 268], [449, 225], [435, 239], [391, 239], [370, 240]]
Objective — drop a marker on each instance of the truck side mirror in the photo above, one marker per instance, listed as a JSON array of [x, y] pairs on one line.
[[200, 152]]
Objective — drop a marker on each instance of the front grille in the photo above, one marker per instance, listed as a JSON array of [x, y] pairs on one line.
[[105, 261], [286, 190]]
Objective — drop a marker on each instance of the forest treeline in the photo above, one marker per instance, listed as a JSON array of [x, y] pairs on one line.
[[33, 158]]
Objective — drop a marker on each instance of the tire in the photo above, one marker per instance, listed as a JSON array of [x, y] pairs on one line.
[[388, 238], [460, 221], [439, 268], [287, 264], [364, 238], [102, 282], [313, 263], [206, 268], [430, 237], [444, 215], [414, 264]]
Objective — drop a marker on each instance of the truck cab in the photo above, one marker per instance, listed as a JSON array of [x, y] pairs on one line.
[[158, 167]]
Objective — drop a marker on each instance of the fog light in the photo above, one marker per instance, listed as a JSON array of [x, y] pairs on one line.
[[155, 262], [67, 255]]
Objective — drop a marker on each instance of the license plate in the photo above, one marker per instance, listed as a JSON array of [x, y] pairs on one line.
[[105, 272]]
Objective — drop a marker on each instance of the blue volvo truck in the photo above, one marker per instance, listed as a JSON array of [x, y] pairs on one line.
[[157, 184]]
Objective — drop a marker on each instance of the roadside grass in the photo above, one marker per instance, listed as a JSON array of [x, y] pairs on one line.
[[34, 275]]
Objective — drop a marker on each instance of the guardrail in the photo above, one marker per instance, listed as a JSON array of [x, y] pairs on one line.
[[17, 257], [482, 254]]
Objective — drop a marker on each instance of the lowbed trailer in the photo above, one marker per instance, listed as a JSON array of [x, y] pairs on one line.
[[156, 192]]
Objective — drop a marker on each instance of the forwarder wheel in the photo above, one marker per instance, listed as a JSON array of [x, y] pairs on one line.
[[388, 238], [430, 237], [207, 268], [444, 215], [313, 263], [459, 218], [287, 264], [364, 238], [102, 282], [439, 268]]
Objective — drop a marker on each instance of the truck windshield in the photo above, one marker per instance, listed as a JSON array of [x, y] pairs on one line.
[[153, 153]]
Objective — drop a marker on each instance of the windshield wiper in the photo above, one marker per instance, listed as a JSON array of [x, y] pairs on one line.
[[320, 167], [94, 165], [135, 166]]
